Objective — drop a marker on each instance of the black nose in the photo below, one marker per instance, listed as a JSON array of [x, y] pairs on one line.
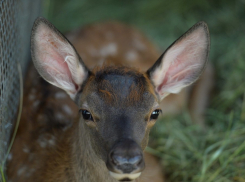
[[126, 157]]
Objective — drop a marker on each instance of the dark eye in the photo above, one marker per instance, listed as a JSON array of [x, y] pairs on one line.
[[86, 115], [155, 114]]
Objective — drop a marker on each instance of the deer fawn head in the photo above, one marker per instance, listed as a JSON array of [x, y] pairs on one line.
[[118, 104]]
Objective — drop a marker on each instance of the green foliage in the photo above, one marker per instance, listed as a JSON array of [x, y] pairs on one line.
[[188, 153]]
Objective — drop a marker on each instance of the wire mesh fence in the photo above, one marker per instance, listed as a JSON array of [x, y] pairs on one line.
[[16, 19]]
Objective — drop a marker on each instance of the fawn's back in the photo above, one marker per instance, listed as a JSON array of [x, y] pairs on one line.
[[50, 144]]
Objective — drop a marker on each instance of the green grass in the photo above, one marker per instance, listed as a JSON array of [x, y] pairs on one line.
[[188, 153]]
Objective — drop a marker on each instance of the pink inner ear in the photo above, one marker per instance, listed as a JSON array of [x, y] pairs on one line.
[[59, 65], [53, 59], [182, 69], [178, 70], [56, 60], [182, 63]]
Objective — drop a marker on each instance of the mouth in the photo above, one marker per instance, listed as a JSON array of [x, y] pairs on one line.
[[125, 177]]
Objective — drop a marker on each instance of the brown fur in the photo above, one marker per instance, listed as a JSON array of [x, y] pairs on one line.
[[47, 137], [111, 94], [128, 40]]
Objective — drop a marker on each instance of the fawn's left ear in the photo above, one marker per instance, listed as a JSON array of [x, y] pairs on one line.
[[55, 58], [183, 62]]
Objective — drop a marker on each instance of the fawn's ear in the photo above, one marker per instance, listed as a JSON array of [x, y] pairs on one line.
[[183, 62], [55, 58]]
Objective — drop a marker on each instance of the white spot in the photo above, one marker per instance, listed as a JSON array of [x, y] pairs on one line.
[[26, 149], [21, 170], [31, 97], [67, 109], [110, 49], [36, 103], [60, 95], [131, 56], [10, 156], [46, 141], [42, 143], [51, 141], [139, 45], [59, 116]]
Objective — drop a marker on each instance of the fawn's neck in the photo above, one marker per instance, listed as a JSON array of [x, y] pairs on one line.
[[86, 165]]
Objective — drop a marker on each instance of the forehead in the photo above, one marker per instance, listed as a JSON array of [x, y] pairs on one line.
[[122, 87]]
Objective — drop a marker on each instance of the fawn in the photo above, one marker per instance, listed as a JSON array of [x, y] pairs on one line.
[[117, 104]]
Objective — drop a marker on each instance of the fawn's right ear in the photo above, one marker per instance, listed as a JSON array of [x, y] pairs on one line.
[[182, 63], [55, 58]]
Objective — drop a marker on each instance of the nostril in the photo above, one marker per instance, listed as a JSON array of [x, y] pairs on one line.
[[126, 157]]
